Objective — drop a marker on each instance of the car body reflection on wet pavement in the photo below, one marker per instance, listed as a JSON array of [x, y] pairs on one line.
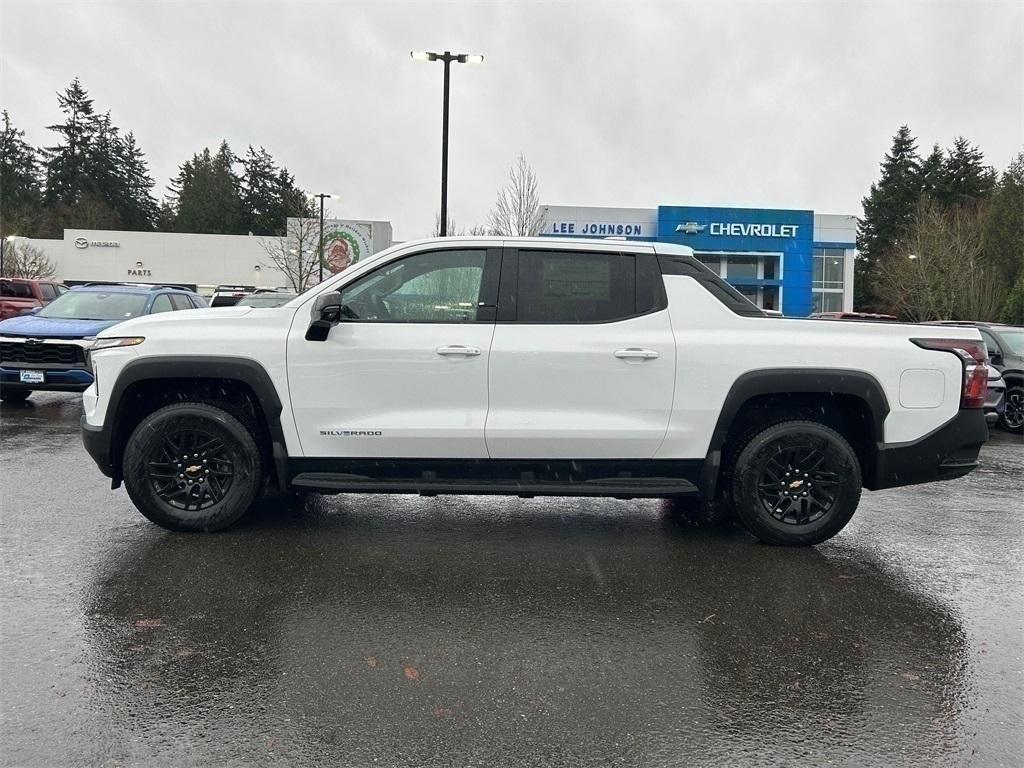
[[401, 630]]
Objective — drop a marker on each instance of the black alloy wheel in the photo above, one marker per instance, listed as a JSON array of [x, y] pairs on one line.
[[795, 482], [1012, 418], [192, 467], [799, 482]]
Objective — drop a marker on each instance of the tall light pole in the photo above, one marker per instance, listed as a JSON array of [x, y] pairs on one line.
[[322, 197], [447, 57]]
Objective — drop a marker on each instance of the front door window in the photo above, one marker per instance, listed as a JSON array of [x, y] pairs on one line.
[[436, 287]]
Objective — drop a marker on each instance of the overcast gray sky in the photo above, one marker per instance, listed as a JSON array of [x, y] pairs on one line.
[[619, 104]]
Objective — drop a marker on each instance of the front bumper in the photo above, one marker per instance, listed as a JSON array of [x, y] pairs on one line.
[[57, 379], [97, 445], [948, 452]]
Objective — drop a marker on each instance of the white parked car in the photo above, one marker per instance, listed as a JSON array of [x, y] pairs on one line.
[[531, 367]]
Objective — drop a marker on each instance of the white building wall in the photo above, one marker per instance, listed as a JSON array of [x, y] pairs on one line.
[[172, 257], [840, 228], [584, 221]]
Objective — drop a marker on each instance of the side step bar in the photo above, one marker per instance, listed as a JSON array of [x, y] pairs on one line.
[[618, 487]]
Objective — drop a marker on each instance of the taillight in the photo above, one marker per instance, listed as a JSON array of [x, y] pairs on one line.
[[974, 357]]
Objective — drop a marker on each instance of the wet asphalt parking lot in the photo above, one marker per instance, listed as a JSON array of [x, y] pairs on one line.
[[473, 631]]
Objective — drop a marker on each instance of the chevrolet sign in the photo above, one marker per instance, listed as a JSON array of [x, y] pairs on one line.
[[691, 228]]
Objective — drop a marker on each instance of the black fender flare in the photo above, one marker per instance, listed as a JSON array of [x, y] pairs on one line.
[[1016, 375], [782, 381], [240, 369]]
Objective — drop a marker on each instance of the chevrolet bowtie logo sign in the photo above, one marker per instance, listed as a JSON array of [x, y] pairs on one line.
[[691, 228]]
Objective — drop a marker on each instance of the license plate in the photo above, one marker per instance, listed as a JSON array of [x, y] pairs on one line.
[[33, 377]]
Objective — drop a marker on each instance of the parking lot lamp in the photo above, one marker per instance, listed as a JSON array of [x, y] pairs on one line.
[[447, 57], [322, 196]]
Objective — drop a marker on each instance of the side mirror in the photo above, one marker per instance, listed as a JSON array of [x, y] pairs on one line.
[[994, 357], [326, 314], [33, 311]]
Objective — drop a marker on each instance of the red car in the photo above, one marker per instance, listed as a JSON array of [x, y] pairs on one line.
[[17, 295]]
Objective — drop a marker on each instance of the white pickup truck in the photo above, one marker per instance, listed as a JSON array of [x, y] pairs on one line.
[[531, 367]]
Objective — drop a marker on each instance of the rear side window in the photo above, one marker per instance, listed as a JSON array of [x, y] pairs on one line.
[[575, 287], [161, 303], [180, 301], [19, 290]]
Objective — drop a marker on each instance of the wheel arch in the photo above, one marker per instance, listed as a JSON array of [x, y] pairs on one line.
[[208, 378], [851, 401]]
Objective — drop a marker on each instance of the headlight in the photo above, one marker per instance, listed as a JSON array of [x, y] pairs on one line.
[[116, 341]]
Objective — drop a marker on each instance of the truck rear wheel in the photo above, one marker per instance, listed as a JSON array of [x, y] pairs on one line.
[[192, 467], [796, 482]]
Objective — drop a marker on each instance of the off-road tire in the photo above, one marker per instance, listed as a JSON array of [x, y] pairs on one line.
[[237, 455], [812, 503]]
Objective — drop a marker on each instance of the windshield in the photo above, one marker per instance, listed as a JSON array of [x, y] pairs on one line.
[[95, 305], [1014, 340]]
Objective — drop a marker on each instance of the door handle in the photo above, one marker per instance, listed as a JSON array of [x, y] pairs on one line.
[[634, 353], [457, 350]]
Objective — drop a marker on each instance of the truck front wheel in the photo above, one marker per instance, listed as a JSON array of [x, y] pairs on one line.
[[796, 482], [192, 467]]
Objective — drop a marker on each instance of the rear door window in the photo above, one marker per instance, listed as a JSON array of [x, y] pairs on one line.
[[180, 301], [161, 303], [575, 287]]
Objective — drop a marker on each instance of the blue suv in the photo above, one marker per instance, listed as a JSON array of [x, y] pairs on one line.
[[46, 349]]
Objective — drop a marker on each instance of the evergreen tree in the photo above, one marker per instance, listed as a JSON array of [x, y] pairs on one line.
[[269, 194], [964, 178], [139, 211], [932, 172], [20, 191], [888, 212], [66, 178], [259, 193], [1004, 235], [206, 194], [102, 168]]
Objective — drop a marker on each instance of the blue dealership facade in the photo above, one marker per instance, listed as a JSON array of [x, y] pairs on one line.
[[794, 261]]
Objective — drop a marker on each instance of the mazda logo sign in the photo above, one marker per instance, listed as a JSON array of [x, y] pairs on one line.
[[81, 242]]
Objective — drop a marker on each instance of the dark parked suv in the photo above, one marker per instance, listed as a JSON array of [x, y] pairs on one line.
[[1006, 353]]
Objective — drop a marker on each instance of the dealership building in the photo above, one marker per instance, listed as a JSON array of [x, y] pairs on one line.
[[795, 261], [197, 261]]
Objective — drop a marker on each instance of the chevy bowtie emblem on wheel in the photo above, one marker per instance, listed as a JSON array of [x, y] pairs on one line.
[[691, 228]]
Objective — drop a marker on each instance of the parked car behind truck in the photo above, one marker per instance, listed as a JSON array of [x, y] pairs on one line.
[[20, 295], [48, 349], [532, 367], [1005, 345]]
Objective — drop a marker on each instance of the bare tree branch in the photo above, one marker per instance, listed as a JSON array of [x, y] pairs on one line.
[[940, 272], [297, 254], [517, 210], [28, 261]]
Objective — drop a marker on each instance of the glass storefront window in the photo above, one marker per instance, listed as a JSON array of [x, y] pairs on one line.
[[829, 268], [741, 267], [828, 301]]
